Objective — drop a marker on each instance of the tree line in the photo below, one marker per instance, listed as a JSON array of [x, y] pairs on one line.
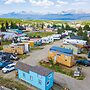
[[6, 25]]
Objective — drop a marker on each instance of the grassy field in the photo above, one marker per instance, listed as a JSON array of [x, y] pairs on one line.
[[41, 34], [60, 68], [9, 83], [4, 43]]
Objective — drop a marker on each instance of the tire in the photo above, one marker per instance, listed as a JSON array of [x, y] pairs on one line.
[[86, 65]]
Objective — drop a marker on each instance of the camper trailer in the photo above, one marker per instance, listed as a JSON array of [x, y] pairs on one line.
[[51, 39], [45, 40], [74, 41], [56, 36]]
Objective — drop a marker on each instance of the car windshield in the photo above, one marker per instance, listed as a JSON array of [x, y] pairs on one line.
[[7, 67]]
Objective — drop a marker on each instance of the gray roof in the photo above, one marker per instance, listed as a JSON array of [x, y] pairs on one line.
[[77, 37], [37, 69]]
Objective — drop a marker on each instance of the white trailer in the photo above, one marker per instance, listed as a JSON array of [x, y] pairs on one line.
[[74, 41], [24, 38], [56, 36], [51, 39], [45, 40]]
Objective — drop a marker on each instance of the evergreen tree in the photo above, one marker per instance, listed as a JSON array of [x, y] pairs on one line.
[[62, 26], [7, 25], [68, 27], [80, 31], [85, 37], [3, 27], [42, 25], [48, 26], [54, 26], [37, 25], [86, 27], [60, 31], [13, 26]]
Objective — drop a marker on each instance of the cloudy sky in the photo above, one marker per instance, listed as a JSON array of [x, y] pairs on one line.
[[44, 6]]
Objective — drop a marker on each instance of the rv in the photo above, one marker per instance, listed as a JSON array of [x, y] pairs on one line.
[[45, 40], [74, 41], [56, 36], [51, 39]]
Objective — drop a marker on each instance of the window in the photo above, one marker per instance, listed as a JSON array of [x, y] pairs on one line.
[[66, 56], [48, 82], [23, 74], [40, 82], [50, 76], [39, 76], [31, 78]]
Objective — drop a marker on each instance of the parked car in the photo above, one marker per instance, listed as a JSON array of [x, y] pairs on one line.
[[9, 67], [4, 63], [14, 57], [8, 56], [83, 62]]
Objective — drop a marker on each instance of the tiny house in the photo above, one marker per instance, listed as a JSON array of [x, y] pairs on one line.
[[18, 48], [61, 55], [37, 76]]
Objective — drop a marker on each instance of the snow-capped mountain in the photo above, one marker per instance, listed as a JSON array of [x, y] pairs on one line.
[[64, 15]]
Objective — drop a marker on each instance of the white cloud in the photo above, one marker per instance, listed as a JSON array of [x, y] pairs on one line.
[[61, 3], [78, 3], [41, 2], [14, 1]]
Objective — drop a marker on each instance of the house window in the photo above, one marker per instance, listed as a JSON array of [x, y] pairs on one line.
[[40, 82], [23, 74], [50, 76], [31, 78], [39, 76], [66, 56], [48, 82]]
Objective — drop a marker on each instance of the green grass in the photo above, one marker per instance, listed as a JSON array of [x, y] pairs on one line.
[[60, 68], [36, 48], [41, 34], [80, 58], [9, 83], [4, 43]]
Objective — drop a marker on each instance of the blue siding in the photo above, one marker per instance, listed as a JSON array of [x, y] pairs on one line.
[[51, 79], [35, 79]]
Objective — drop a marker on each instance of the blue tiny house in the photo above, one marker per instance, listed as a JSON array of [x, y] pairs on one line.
[[37, 76]]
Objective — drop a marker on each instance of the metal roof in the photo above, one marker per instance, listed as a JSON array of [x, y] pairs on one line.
[[37, 69], [60, 49], [77, 37]]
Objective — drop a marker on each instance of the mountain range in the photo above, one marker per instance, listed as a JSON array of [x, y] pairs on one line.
[[58, 16]]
